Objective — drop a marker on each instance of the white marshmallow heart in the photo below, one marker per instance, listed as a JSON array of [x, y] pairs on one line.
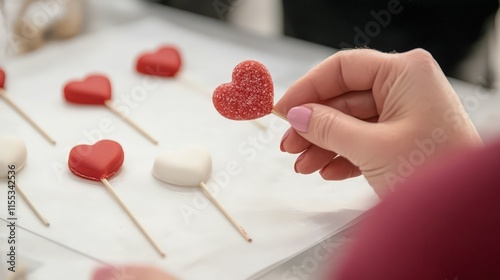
[[187, 167], [12, 151]]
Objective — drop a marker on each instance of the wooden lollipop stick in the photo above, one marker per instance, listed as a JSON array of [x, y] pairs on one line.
[[109, 104], [228, 216], [276, 113], [132, 217], [184, 79], [23, 114], [259, 124], [30, 204]]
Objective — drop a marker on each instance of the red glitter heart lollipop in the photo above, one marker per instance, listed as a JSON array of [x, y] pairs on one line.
[[250, 95], [2, 78], [94, 90], [165, 62], [99, 161]]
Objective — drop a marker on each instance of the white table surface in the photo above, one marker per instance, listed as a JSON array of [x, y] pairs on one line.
[[284, 212]]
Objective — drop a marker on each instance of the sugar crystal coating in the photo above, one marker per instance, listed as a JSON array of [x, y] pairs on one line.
[[250, 94]]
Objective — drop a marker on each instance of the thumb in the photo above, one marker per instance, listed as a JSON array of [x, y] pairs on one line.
[[331, 129]]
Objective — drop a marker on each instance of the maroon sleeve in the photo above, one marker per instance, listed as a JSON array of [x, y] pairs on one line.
[[443, 223]]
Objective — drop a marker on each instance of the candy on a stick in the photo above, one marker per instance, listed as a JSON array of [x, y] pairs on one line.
[[10, 102], [96, 90], [12, 159], [100, 162], [250, 94], [167, 62], [191, 167]]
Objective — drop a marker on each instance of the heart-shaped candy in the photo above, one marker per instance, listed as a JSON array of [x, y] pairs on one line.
[[187, 167], [12, 152], [95, 162], [94, 90], [250, 95], [165, 62], [2, 78]]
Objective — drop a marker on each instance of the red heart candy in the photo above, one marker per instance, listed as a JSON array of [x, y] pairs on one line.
[[250, 95], [94, 90], [165, 62], [99, 161], [2, 78]]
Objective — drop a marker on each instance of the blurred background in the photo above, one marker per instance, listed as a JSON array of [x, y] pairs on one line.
[[461, 34]]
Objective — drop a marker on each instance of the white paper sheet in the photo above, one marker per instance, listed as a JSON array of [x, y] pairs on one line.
[[282, 211]]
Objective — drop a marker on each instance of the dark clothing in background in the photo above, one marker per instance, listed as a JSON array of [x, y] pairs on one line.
[[218, 9], [446, 28], [444, 223]]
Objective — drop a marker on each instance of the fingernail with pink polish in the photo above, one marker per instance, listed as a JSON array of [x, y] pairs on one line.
[[299, 159], [299, 118], [282, 147]]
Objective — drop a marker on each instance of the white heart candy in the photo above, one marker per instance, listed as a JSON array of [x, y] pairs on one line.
[[12, 151], [187, 167]]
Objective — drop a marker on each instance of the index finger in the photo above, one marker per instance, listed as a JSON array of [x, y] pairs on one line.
[[345, 71]]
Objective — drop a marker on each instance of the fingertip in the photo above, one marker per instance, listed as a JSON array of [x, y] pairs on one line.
[[279, 109], [296, 166], [283, 139], [339, 169], [280, 106], [313, 159], [103, 273], [294, 143]]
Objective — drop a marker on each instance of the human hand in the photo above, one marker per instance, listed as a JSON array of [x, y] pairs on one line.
[[376, 114], [130, 273]]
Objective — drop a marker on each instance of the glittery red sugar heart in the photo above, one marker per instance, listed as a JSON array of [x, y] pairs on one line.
[[94, 90], [165, 62], [250, 95], [99, 161], [2, 78]]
